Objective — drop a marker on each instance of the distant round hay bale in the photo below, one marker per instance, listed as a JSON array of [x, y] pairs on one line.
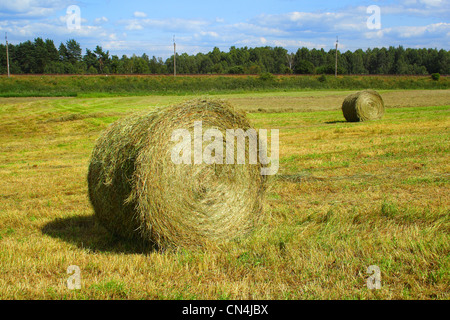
[[363, 106], [137, 191]]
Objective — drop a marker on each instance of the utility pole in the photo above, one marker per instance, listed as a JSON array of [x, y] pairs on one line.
[[290, 59], [174, 57], [7, 54], [335, 66]]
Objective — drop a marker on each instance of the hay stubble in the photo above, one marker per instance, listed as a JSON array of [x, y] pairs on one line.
[[317, 240]]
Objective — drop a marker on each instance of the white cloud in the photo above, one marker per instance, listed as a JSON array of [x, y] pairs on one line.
[[134, 25], [256, 28], [31, 30], [419, 8], [431, 30], [15, 6], [31, 8], [432, 3], [167, 25], [101, 20], [139, 14], [296, 23], [429, 36], [376, 34], [297, 44], [209, 33]]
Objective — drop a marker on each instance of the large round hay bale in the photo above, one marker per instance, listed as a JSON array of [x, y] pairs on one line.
[[137, 191], [363, 106]]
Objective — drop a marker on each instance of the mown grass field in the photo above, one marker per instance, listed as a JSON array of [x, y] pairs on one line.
[[347, 196]]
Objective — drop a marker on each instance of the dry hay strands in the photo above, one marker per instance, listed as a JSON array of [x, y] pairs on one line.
[[137, 191], [363, 106]]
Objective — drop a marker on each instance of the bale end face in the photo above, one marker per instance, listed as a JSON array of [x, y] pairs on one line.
[[365, 105]]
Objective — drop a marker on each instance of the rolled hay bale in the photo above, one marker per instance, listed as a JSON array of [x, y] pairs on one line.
[[137, 191], [363, 106]]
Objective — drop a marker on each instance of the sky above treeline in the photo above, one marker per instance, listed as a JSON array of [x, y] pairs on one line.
[[137, 27]]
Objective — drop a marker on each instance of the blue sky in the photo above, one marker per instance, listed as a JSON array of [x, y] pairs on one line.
[[137, 27]]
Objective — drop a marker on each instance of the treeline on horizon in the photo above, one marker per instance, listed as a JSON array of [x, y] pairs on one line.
[[42, 57]]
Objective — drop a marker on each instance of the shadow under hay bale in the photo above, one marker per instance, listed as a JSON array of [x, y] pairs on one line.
[[86, 233], [363, 106], [137, 191]]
